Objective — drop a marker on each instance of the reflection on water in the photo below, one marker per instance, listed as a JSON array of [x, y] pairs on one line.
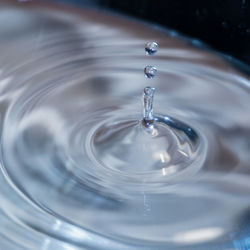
[[78, 171]]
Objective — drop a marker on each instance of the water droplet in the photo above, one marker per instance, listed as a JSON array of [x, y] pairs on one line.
[[150, 71], [151, 48]]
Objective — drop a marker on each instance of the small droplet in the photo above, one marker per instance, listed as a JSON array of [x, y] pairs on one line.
[[150, 71], [151, 48]]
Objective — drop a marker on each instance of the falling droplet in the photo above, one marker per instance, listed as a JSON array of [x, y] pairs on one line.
[[150, 71], [151, 48], [148, 96]]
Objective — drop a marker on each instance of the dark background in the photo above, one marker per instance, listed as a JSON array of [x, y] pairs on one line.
[[222, 24]]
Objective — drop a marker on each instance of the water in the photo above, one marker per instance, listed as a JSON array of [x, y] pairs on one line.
[[151, 48], [148, 98], [150, 71], [78, 171]]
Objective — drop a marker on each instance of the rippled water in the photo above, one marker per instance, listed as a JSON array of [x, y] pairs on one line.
[[77, 169]]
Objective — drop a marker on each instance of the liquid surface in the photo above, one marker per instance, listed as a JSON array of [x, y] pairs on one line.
[[77, 169]]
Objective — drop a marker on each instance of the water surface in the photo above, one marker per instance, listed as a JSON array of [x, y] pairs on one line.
[[77, 171]]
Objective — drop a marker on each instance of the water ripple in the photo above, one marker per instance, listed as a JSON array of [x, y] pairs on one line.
[[78, 171]]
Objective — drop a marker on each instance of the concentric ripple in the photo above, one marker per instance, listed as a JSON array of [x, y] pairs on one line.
[[78, 171], [127, 147]]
